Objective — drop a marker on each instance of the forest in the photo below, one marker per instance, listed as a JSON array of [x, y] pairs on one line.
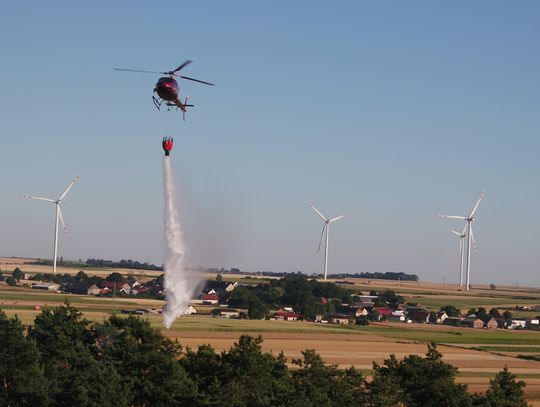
[[66, 360]]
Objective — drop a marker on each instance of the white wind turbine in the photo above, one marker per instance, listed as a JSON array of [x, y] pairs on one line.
[[326, 228], [58, 216], [470, 235], [461, 236]]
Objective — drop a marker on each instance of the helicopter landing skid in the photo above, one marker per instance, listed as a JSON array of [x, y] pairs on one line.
[[157, 102]]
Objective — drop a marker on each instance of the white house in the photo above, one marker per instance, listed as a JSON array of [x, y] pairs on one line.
[[231, 286], [518, 324], [398, 315]]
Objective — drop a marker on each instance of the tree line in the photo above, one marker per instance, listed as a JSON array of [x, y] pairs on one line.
[[100, 263], [388, 275], [66, 360], [293, 290]]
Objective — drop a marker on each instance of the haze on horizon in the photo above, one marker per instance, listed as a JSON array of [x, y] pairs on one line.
[[395, 113]]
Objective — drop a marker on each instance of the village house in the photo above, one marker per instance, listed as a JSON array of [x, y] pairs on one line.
[[472, 322], [118, 286], [225, 313], [360, 311], [383, 313], [209, 299], [438, 318], [231, 286], [398, 316], [518, 324], [340, 319], [285, 316], [491, 323], [421, 316]]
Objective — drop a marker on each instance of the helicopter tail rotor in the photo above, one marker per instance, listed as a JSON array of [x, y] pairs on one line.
[[183, 107]]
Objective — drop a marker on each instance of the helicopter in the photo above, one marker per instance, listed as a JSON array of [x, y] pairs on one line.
[[167, 88]]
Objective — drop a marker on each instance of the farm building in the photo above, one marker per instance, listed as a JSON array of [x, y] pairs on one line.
[[452, 321], [225, 312], [46, 286], [418, 316], [86, 289], [286, 316], [340, 319], [383, 313], [472, 322]]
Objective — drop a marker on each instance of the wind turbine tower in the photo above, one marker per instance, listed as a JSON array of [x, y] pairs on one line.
[[461, 236], [58, 216], [470, 235], [326, 228]]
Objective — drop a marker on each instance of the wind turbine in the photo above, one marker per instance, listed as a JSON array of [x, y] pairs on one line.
[[326, 228], [470, 234], [58, 216], [461, 236]]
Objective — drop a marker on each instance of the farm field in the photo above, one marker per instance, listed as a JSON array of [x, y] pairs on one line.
[[478, 354]]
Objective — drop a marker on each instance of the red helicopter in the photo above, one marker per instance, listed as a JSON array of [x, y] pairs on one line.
[[167, 88]]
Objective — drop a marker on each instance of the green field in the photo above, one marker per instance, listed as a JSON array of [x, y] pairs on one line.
[[496, 348]]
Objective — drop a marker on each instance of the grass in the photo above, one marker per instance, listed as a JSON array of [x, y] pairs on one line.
[[530, 357], [209, 324], [465, 303], [457, 336], [495, 348]]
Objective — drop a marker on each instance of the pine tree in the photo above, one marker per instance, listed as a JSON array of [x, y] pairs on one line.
[[505, 391], [21, 376]]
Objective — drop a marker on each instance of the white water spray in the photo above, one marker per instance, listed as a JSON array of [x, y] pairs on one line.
[[180, 284]]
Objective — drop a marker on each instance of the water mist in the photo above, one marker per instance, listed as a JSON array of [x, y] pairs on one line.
[[180, 284]]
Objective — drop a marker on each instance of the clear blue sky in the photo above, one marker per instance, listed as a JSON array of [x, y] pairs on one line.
[[395, 111]]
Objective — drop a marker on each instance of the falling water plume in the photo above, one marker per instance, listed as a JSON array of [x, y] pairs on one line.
[[180, 284]]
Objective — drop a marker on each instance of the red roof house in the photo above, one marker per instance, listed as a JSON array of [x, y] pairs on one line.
[[286, 316]]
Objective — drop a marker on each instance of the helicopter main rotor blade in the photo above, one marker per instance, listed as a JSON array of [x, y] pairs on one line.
[[195, 80], [135, 70], [180, 67]]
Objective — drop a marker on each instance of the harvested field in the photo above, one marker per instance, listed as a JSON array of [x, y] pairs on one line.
[[475, 367]]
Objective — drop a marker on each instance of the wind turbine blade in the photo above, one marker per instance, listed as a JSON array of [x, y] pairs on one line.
[[39, 198], [477, 203], [62, 220], [69, 187], [316, 210], [456, 233], [320, 240], [453, 217], [339, 217], [473, 239]]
